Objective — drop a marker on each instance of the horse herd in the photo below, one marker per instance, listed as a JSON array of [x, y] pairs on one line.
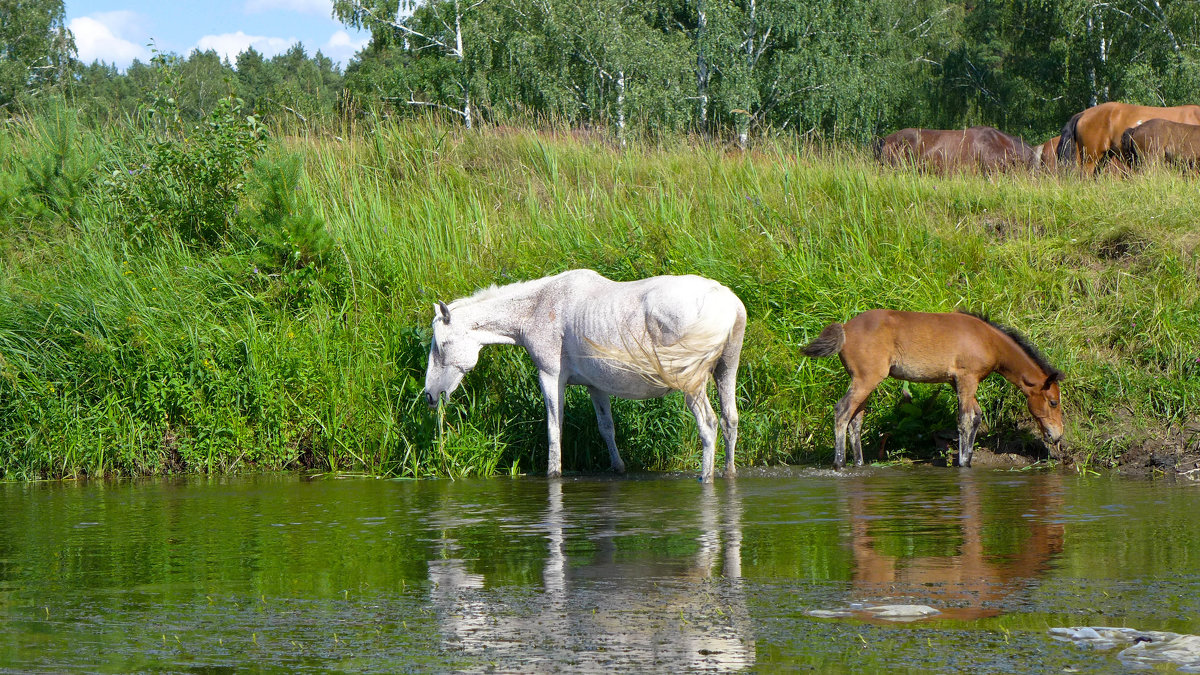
[[1119, 135], [646, 338]]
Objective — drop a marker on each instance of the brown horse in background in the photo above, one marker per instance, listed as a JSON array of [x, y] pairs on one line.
[[957, 348], [978, 148], [1047, 154], [1094, 135], [1162, 141]]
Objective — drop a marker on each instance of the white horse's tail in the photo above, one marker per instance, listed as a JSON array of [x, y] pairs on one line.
[[684, 365]]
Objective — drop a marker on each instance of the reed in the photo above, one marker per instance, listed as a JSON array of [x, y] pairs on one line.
[[297, 339]]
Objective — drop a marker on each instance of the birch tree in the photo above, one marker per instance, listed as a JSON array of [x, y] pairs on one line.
[[442, 26], [36, 49]]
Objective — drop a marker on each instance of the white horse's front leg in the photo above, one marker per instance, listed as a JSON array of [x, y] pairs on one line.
[[706, 424], [554, 388], [604, 419]]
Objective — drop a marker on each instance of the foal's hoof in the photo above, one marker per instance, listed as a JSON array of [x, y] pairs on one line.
[[619, 469], [554, 474], [730, 472]]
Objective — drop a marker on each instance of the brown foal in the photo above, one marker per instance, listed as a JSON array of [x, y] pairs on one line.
[[957, 348]]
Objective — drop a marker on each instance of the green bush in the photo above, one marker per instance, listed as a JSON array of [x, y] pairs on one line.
[[184, 178]]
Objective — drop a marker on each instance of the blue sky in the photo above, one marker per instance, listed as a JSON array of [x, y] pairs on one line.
[[118, 31]]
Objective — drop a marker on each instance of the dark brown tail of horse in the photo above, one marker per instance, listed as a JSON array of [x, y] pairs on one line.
[[1067, 153], [828, 343], [1129, 149], [877, 148]]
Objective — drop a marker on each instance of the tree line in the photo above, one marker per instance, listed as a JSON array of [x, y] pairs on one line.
[[846, 70]]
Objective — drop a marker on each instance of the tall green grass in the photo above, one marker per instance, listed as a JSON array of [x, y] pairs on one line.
[[299, 338]]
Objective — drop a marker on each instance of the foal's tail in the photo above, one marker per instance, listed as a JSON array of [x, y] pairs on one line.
[[828, 343], [1067, 145]]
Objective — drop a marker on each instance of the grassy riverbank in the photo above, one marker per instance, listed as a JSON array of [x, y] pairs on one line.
[[294, 335]]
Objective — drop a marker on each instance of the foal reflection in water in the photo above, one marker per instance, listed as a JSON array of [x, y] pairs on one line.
[[958, 348], [939, 541]]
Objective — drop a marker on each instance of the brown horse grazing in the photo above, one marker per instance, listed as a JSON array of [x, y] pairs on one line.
[[1094, 135], [1047, 154], [958, 348], [1162, 141], [978, 148]]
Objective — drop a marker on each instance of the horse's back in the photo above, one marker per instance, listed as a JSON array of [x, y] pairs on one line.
[[1102, 126], [1161, 139], [689, 304], [665, 332], [915, 346]]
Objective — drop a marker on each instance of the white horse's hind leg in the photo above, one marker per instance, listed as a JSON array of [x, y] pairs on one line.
[[554, 390], [604, 418], [706, 423], [726, 379]]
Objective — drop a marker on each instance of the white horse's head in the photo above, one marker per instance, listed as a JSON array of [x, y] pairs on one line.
[[453, 352]]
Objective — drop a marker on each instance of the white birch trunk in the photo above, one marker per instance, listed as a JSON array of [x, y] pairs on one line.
[[466, 85], [1091, 68], [621, 107], [701, 63], [744, 123]]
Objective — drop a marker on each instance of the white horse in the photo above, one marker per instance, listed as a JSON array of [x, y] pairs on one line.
[[636, 339]]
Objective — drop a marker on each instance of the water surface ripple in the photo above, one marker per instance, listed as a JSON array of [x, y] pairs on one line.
[[648, 572]]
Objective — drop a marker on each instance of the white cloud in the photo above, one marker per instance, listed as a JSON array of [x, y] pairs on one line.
[[322, 7], [341, 46], [229, 45], [108, 37]]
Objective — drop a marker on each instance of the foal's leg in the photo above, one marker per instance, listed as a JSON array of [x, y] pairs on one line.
[[851, 406], [969, 417], [706, 423], [856, 435], [554, 390], [604, 418]]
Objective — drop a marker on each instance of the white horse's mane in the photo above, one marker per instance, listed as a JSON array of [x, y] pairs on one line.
[[493, 292]]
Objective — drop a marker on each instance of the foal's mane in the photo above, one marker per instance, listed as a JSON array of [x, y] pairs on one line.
[[1022, 342]]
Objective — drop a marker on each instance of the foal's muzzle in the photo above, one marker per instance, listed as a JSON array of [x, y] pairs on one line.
[[431, 399]]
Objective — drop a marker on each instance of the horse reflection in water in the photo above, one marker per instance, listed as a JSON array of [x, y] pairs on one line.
[[993, 554], [609, 607]]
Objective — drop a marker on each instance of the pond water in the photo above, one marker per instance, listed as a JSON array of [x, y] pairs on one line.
[[648, 572]]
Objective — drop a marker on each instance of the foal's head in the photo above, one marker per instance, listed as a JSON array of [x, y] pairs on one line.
[[453, 352], [1045, 406]]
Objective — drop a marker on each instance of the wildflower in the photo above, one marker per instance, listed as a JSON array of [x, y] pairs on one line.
[[292, 335], [51, 389]]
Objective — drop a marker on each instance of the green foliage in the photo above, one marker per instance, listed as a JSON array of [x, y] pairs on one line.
[[180, 177], [299, 339], [36, 50], [291, 240]]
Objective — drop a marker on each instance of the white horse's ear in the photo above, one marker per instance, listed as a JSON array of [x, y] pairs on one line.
[[442, 311]]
